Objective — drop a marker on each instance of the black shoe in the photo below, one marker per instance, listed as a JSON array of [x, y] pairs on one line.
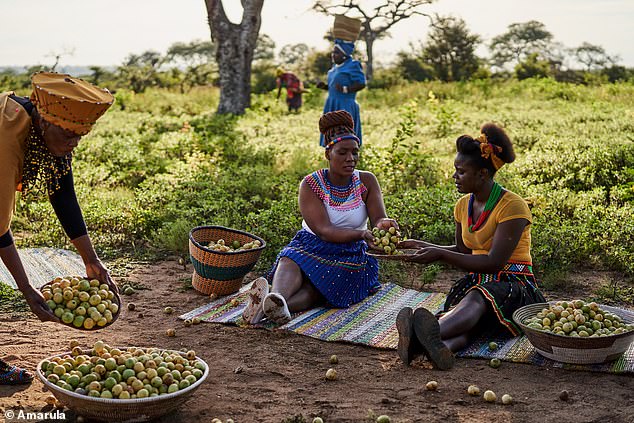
[[427, 332], [408, 346]]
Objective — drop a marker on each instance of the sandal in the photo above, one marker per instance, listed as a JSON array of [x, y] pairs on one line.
[[427, 331], [275, 308], [13, 375], [408, 345], [253, 312]]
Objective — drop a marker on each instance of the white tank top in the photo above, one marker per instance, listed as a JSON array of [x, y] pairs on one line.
[[345, 205]]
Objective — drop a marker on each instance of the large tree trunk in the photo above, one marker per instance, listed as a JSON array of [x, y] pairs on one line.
[[369, 67], [234, 52]]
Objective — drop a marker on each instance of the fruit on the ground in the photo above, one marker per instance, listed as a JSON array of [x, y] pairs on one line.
[[196, 320], [331, 374], [50, 400], [383, 419], [578, 319], [128, 290], [235, 302], [318, 420], [170, 332], [563, 395], [387, 239], [489, 396], [473, 390], [432, 385], [187, 323], [168, 310], [495, 363], [130, 373], [131, 306], [334, 359], [82, 303], [493, 346], [507, 399]]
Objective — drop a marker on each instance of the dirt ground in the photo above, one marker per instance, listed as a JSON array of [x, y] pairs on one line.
[[272, 376]]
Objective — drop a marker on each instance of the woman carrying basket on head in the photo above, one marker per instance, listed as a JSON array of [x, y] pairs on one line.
[[326, 262], [37, 138], [493, 240]]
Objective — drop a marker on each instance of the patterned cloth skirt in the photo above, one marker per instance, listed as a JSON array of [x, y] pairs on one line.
[[506, 291], [342, 272]]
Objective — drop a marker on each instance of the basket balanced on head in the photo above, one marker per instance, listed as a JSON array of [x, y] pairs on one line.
[[221, 272]]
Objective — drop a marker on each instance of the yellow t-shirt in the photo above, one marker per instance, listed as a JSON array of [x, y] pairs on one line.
[[14, 128], [510, 206]]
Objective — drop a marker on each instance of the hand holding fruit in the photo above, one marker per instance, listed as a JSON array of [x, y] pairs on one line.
[[96, 270], [37, 303], [386, 223], [386, 240]]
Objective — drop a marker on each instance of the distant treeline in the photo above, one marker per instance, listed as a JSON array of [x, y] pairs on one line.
[[526, 50]]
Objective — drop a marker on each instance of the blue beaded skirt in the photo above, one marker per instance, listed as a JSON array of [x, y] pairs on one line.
[[342, 272]]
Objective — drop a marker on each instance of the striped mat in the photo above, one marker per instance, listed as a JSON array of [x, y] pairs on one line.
[[372, 322], [45, 264]]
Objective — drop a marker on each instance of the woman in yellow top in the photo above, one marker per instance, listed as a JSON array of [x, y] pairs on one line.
[[37, 138], [493, 240]]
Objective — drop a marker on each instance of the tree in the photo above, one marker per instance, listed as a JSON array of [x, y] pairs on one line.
[[197, 57], [532, 67], [235, 46], [520, 41], [264, 48], [140, 71], [294, 54], [450, 49], [592, 56], [375, 23]]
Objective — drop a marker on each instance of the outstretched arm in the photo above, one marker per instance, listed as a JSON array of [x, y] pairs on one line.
[[505, 239], [35, 300], [66, 206]]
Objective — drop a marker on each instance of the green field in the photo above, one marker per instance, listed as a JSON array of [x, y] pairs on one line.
[[165, 163]]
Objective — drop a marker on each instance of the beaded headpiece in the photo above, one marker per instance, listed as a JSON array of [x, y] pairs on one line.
[[337, 126], [68, 102], [490, 151]]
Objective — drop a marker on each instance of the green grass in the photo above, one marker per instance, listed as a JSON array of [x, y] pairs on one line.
[[167, 163]]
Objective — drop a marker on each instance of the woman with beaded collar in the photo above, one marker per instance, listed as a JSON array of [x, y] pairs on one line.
[[37, 138], [493, 241], [326, 261]]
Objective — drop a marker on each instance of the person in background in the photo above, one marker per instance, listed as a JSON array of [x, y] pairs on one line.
[[326, 262], [493, 243], [37, 138], [294, 88], [345, 80]]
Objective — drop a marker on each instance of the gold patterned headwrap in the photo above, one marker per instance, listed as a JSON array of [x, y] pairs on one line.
[[490, 151], [68, 102]]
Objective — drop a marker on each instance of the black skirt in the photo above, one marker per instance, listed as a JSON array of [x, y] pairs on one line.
[[506, 291]]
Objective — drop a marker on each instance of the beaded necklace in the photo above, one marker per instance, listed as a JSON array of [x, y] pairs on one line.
[[494, 197], [42, 171], [339, 194]]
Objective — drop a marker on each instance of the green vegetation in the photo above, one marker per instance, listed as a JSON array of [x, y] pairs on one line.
[[147, 174]]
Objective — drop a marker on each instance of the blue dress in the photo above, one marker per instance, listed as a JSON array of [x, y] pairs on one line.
[[345, 74]]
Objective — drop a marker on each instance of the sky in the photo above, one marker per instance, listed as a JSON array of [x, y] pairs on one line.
[[103, 33]]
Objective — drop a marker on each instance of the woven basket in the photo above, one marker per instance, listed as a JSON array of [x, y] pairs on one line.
[[220, 272], [575, 350], [346, 28], [117, 299], [121, 410]]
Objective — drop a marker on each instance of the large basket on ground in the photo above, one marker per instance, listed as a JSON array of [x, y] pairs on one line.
[[115, 316], [575, 350], [216, 271], [121, 410]]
